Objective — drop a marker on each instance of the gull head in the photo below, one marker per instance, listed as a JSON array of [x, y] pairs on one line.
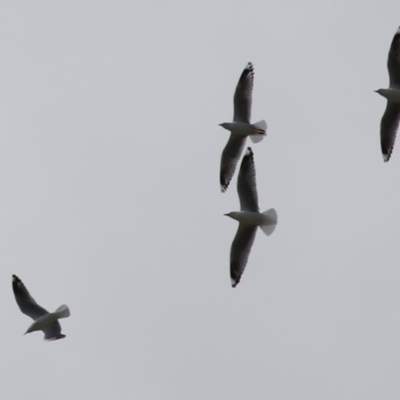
[[234, 215], [30, 329], [387, 93], [225, 125], [36, 326]]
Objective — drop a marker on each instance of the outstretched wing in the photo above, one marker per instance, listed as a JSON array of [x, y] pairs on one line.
[[243, 95], [229, 159], [246, 185], [25, 301], [389, 126], [394, 61], [240, 251]]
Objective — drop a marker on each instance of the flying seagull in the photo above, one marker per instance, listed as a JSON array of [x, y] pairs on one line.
[[44, 321], [249, 218], [391, 117], [241, 127]]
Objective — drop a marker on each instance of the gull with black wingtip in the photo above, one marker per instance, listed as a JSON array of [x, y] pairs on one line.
[[391, 117], [43, 320], [241, 127], [249, 218]]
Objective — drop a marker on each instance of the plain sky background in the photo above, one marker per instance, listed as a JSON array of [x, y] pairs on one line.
[[110, 201]]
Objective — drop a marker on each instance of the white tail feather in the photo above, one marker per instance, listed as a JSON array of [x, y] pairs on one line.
[[271, 221], [62, 312], [260, 127]]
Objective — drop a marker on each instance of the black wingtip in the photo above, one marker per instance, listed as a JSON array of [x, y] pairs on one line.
[[235, 282], [249, 152], [223, 183], [248, 73], [16, 284], [386, 155], [248, 156], [250, 66]]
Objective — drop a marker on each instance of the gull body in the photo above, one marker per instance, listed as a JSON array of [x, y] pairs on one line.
[[43, 320], [240, 127], [243, 129], [249, 218], [391, 116]]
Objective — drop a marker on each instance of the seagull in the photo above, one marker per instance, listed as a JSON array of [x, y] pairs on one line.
[[249, 218], [241, 127], [44, 321], [391, 117]]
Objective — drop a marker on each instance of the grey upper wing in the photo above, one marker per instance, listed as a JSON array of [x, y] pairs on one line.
[[25, 301], [394, 61], [246, 185], [243, 95], [229, 159], [389, 126], [240, 251]]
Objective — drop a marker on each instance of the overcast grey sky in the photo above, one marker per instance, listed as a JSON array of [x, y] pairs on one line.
[[110, 201]]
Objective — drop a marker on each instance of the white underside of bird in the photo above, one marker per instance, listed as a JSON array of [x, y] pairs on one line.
[[45, 320], [267, 220], [256, 131]]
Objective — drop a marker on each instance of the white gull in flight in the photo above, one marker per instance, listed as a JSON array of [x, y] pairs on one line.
[[249, 218], [44, 321], [241, 127], [391, 117]]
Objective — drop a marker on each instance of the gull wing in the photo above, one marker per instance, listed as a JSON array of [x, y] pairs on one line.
[[389, 126], [229, 159], [240, 251], [243, 95], [393, 63], [246, 184], [25, 301]]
